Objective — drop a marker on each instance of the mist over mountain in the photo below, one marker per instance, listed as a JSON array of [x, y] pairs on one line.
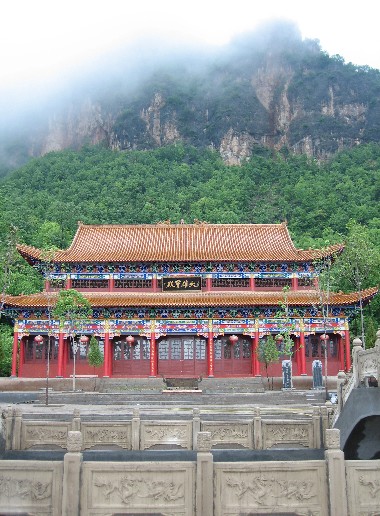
[[266, 89]]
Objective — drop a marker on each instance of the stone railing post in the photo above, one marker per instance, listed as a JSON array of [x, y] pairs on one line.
[[325, 412], [316, 427], [8, 415], [205, 473], [336, 474], [357, 346], [341, 379], [76, 422], [196, 426], [16, 437], [136, 429], [257, 430], [72, 463]]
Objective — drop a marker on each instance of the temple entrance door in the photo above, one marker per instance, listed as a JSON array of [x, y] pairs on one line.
[[131, 360], [233, 359], [182, 356]]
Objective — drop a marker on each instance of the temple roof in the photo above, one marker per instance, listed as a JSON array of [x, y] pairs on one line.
[[194, 299], [166, 242]]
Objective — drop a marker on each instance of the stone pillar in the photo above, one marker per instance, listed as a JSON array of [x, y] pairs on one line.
[[136, 429], [72, 463], [341, 380], [204, 484], [196, 426], [61, 354], [317, 442], [16, 436], [255, 355], [210, 354], [348, 350], [257, 430], [357, 346], [75, 424], [302, 352], [14, 353], [336, 474], [153, 352]]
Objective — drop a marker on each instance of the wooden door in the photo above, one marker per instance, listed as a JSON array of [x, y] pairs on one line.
[[233, 359], [182, 356], [131, 360]]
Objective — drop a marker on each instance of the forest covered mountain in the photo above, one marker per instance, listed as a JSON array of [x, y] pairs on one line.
[[268, 89]]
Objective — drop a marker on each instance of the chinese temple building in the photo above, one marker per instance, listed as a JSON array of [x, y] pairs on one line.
[[190, 300]]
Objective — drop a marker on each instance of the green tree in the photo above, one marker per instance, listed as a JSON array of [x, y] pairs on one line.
[[268, 354], [358, 266], [72, 309], [6, 344], [95, 357]]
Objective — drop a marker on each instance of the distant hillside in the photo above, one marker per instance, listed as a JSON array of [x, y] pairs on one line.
[[269, 89]]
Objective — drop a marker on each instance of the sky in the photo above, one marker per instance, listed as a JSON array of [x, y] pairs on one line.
[[41, 40]]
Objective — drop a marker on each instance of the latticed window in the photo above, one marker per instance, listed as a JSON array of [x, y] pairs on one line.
[[305, 282], [273, 282], [230, 282], [133, 283], [89, 283]]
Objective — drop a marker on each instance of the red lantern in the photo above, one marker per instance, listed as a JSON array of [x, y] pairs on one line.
[[38, 339], [279, 338], [233, 339], [324, 337], [130, 339], [83, 339]]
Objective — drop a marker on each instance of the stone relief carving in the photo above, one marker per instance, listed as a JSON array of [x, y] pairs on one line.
[[44, 434], [107, 435], [333, 439], [281, 433], [261, 489], [373, 486], [74, 441], [204, 441], [129, 489], [225, 433], [24, 488], [163, 433]]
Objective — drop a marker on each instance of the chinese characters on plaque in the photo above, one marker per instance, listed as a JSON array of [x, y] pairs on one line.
[[172, 284]]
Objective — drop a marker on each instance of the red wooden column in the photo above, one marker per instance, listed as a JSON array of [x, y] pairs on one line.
[[340, 352], [68, 283], [111, 283], [107, 355], [294, 283], [210, 354], [153, 351], [255, 358], [15, 352], [297, 352], [302, 354], [61, 344], [154, 283], [21, 358], [348, 349], [208, 284], [252, 285]]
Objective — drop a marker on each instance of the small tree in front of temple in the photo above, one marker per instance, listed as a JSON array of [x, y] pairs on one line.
[[72, 309], [95, 357], [268, 354]]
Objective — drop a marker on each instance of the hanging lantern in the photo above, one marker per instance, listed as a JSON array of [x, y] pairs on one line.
[[38, 339], [130, 339], [233, 339], [279, 338], [83, 339], [324, 337]]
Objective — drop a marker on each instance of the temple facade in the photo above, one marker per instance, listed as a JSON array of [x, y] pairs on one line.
[[190, 300]]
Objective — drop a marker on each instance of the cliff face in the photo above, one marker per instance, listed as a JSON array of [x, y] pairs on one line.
[[286, 95]]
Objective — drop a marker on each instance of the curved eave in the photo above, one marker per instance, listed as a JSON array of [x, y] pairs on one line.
[[193, 299]]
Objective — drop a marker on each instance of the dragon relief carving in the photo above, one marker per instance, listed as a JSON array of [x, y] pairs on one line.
[[164, 433], [43, 434], [373, 486], [224, 433], [129, 489], [279, 434], [261, 488], [24, 488], [107, 435]]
